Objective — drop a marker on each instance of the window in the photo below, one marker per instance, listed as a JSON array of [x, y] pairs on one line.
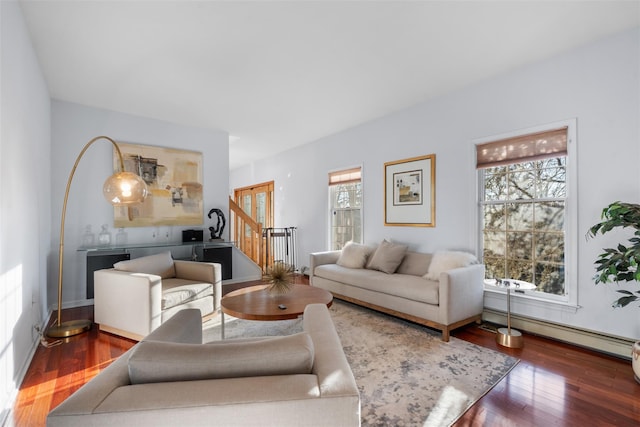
[[524, 206], [345, 207]]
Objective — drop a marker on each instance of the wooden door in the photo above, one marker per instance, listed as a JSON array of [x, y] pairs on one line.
[[257, 202]]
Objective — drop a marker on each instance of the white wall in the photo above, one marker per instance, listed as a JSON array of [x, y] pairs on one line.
[[73, 126], [25, 205], [598, 84]]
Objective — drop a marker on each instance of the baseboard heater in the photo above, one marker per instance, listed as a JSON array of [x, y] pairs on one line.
[[616, 346]]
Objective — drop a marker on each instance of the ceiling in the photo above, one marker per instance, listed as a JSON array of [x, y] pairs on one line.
[[276, 74]]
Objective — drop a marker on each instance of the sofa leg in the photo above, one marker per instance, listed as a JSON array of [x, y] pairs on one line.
[[445, 335]]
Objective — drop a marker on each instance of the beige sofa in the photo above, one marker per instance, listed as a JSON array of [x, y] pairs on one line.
[[185, 383], [135, 297], [443, 296]]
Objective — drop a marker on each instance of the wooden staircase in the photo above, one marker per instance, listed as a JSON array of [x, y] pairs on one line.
[[247, 234], [265, 246]]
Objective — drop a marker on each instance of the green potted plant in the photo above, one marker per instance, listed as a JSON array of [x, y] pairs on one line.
[[620, 264]]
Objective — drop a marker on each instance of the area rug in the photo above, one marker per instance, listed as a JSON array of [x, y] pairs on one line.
[[406, 375]]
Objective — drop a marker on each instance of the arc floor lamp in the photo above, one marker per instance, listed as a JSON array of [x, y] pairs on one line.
[[120, 189]]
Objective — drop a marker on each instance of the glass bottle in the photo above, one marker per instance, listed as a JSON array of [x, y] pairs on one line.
[[121, 237], [88, 238], [104, 238]]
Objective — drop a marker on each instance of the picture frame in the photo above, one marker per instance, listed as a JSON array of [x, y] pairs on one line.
[[410, 192], [174, 179]]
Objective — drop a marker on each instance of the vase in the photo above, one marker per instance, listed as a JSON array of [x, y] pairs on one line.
[[635, 360]]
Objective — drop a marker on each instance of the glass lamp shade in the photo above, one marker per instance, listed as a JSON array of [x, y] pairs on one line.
[[124, 188]]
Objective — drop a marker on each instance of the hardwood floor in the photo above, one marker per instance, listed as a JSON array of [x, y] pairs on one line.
[[56, 372], [554, 384]]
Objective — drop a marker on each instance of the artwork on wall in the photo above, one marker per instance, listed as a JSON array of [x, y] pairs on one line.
[[409, 192], [174, 180]]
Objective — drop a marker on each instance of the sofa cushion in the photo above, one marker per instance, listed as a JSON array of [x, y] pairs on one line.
[[402, 285], [159, 264], [387, 257], [179, 291], [156, 361], [448, 260], [353, 255]]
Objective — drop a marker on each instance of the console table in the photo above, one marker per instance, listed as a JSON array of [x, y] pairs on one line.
[[99, 257]]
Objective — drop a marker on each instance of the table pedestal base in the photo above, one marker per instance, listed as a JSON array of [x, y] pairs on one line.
[[509, 338]]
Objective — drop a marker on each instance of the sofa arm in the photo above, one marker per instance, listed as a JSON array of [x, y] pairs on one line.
[[184, 327], [461, 293], [330, 364], [321, 258], [202, 272], [129, 302]]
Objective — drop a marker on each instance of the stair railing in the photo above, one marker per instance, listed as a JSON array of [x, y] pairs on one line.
[[247, 234]]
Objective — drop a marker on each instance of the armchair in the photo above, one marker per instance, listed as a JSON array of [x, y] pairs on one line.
[[135, 297]]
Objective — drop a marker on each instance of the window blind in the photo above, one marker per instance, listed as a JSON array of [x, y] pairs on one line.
[[523, 148], [347, 176]]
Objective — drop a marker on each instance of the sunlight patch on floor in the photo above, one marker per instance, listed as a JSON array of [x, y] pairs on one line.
[[451, 400]]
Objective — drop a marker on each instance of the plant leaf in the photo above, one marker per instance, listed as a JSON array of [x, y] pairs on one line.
[[624, 301]]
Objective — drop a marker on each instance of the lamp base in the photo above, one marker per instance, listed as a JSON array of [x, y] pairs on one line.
[[68, 329], [511, 340]]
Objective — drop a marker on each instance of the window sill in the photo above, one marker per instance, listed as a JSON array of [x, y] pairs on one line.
[[523, 303]]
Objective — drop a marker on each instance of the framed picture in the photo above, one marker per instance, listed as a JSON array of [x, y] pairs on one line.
[[174, 181], [410, 192]]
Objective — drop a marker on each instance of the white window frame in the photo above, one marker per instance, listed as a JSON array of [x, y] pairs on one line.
[[570, 299], [329, 205]]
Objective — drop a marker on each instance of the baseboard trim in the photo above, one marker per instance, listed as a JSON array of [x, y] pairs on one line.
[[609, 344]]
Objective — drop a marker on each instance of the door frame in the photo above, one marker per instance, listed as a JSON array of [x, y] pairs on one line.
[[252, 190], [264, 187]]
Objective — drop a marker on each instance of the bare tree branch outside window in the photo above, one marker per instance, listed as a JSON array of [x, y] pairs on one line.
[[523, 214]]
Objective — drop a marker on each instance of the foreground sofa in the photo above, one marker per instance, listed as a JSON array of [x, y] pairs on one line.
[[405, 284], [169, 368]]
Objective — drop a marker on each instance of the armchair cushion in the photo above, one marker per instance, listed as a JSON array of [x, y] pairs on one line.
[[155, 361], [159, 264], [179, 291]]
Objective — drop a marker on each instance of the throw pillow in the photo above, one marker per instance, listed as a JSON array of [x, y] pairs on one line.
[[387, 257], [448, 260], [159, 264], [157, 361], [415, 264], [353, 255]]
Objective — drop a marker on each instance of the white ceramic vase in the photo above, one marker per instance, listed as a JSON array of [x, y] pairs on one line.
[[635, 360]]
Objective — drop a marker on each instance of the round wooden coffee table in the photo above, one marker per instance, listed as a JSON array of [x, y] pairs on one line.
[[257, 303]]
